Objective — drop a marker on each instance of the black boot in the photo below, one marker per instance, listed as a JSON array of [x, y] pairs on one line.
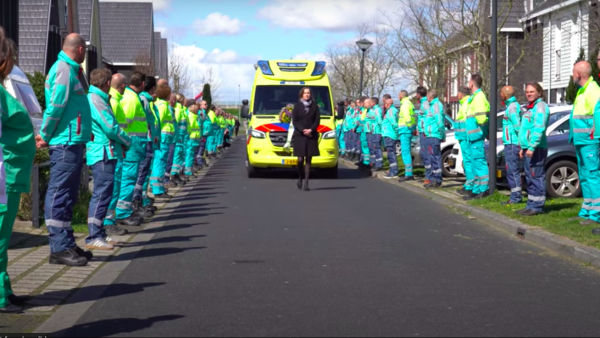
[[68, 257], [10, 308], [132, 221], [87, 254], [135, 205]]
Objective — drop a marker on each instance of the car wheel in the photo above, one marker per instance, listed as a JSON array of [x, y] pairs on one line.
[[331, 172], [562, 180], [446, 165]]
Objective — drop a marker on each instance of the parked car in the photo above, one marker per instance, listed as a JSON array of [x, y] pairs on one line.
[[415, 149], [17, 84], [557, 111]]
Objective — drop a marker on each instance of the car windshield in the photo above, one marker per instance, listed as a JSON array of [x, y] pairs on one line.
[[269, 100]]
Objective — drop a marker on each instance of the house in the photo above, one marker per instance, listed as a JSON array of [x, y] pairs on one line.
[[9, 18], [161, 54], [127, 36], [43, 25], [568, 26], [89, 29]]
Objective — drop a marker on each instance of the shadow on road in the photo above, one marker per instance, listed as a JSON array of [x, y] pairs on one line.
[[111, 327], [147, 253], [333, 188], [112, 290], [165, 240]]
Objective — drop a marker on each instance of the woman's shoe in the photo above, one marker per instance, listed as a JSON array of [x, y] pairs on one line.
[[306, 188], [299, 184]]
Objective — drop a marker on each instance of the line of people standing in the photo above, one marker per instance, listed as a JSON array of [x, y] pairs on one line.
[[133, 133]]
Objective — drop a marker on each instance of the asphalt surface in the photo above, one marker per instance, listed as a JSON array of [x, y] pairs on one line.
[[354, 257]]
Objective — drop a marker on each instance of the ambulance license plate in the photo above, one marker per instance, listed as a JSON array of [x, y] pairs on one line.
[[289, 162], [499, 173]]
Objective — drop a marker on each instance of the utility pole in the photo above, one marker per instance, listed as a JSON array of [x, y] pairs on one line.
[[493, 97]]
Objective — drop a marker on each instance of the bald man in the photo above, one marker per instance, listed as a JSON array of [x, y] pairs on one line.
[[582, 134], [66, 128], [510, 138], [116, 92]]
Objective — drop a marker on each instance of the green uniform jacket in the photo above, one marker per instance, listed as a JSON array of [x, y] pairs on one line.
[[137, 125], [390, 124], [434, 120], [108, 137], [460, 126], [477, 116], [585, 115], [206, 124], [194, 128], [18, 143], [407, 118], [511, 124], [374, 120], [421, 115], [166, 121], [67, 119], [182, 124], [152, 119], [533, 126]]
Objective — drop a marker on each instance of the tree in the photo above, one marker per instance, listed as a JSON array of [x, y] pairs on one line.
[[592, 60], [572, 89], [344, 61], [206, 96], [210, 77], [144, 63], [38, 82], [179, 72]]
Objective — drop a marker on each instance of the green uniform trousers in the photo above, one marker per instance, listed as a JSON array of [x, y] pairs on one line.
[[467, 164], [8, 213]]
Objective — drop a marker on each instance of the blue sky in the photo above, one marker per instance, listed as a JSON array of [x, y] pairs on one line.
[[231, 35]]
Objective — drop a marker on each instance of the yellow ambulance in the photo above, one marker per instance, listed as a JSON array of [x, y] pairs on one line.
[[276, 84]]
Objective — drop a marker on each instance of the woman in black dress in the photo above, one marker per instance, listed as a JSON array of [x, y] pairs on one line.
[[306, 119]]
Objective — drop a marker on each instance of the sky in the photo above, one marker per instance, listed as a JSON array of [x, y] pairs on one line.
[[231, 35]]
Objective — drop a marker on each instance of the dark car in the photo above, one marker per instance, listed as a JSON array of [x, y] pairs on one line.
[[562, 176]]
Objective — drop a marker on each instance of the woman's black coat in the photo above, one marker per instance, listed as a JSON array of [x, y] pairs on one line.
[[303, 145]]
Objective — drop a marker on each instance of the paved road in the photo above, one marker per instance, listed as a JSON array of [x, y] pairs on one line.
[[354, 257]]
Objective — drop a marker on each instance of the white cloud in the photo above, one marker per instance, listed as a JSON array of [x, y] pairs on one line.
[[311, 57], [228, 66], [158, 5], [217, 24], [329, 15]]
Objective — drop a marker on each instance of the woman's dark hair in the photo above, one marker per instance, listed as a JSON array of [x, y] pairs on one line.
[[302, 92], [537, 87], [8, 50], [150, 83]]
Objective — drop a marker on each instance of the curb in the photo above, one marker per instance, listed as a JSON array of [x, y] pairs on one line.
[[68, 314], [535, 235]]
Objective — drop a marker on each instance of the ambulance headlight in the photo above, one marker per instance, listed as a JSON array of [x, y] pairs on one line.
[[257, 134], [329, 135]]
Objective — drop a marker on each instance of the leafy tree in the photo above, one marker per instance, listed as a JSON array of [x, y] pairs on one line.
[[206, 96], [38, 82]]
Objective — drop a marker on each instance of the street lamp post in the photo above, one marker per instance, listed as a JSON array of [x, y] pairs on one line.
[[493, 96], [363, 44]]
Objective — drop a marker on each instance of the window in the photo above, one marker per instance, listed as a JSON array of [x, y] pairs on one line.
[[269, 100], [454, 78]]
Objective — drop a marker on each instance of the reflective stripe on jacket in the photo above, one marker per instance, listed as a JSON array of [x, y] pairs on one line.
[[584, 114], [109, 138], [511, 124], [533, 126]]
